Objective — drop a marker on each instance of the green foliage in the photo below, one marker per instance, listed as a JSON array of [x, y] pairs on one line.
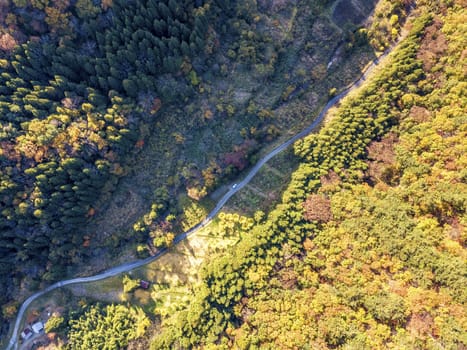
[[129, 284], [389, 309], [86, 9], [386, 267], [169, 301], [70, 116], [379, 261], [389, 15], [107, 327], [55, 324]]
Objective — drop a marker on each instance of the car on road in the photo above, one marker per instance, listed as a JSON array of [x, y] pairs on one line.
[[234, 186]]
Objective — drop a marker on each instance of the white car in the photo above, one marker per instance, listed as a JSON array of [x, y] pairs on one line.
[[234, 186]]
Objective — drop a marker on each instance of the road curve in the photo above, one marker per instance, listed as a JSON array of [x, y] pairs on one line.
[[232, 190]]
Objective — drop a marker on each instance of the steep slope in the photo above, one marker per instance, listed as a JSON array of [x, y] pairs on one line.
[[367, 249], [118, 117]]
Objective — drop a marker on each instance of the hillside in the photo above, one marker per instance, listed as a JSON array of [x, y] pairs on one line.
[[367, 248], [119, 119], [108, 150]]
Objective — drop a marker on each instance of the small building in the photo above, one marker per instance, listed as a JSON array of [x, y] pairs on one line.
[[37, 327], [26, 334], [144, 284]]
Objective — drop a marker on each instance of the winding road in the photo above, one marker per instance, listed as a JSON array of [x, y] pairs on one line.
[[13, 343]]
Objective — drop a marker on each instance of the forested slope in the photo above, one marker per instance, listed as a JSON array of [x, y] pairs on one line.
[[77, 87], [173, 97], [367, 248]]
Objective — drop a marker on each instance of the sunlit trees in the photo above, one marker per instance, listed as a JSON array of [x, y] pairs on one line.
[[109, 327], [70, 85], [55, 324], [354, 257]]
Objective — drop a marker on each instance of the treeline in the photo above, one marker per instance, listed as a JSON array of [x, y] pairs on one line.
[[72, 106], [109, 327], [354, 265], [99, 326], [387, 267], [122, 51]]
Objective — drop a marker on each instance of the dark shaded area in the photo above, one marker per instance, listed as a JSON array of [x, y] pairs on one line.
[[353, 12]]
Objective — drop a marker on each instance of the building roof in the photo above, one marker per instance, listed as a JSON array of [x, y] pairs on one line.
[[26, 333], [37, 327]]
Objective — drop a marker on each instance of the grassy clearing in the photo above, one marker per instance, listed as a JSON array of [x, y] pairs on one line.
[[179, 267], [265, 190], [108, 290]]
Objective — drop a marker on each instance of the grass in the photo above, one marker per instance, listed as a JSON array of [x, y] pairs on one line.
[[108, 290], [264, 191]]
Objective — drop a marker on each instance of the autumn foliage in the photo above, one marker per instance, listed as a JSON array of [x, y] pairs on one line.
[[317, 208]]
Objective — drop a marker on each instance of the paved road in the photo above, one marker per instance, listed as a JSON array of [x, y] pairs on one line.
[[233, 189]]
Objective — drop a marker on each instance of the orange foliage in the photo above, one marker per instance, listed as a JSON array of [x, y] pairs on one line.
[[87, 241], [7, 42], [8, 150], [40, 154], [421, 324], [208, 114], [308, 244], [420, 114], [91, 212], [51, 336], [317, 208], [433, 46], [106, 4]]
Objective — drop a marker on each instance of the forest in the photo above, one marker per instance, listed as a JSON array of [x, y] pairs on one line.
[[366, 247], [77, 86], [83, 86]]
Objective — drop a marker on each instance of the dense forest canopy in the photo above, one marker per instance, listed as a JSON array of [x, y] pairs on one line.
[[82, 84], [77, 83], [366, 248], [71, 107]]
